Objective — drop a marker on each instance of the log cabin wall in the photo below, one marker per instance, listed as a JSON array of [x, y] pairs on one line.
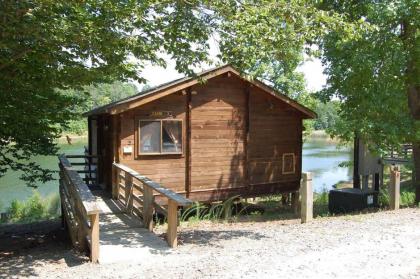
[[236, 144], [168, 170], [275, 132], [218, 134]]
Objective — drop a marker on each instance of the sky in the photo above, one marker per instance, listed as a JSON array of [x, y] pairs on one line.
[[312, 69]]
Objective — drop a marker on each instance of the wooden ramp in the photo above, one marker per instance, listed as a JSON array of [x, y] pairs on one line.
[[122, 237]]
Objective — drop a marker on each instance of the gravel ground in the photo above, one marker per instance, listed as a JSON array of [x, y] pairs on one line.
[[380, 245]]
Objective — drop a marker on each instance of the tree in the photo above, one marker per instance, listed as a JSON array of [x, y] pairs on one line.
[[376, 74], [95, 95], [49, 46], [327, 115]]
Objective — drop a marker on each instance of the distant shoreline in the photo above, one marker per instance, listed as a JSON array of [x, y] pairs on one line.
[[63, 137], [322, 135]]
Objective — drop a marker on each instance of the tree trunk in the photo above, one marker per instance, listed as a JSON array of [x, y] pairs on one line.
[[410, 41], [416, 176]]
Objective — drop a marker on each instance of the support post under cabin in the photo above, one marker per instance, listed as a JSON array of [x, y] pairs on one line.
[[295, 202], [306, 211], [394, 188]]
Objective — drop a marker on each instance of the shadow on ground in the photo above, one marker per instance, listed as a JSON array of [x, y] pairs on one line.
[[20, 255], [211, 238]]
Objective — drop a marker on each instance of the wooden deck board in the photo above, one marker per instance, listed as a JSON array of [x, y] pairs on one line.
[[122, 237]]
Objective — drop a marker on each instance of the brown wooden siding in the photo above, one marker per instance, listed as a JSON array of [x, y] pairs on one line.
[[169, 170], [224, 158], [217, 135], [274, 130]]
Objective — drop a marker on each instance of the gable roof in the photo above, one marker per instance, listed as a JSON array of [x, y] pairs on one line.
[[177, 85]]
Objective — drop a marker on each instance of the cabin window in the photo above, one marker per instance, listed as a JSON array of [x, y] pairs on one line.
[[289, 163], [160, 137]]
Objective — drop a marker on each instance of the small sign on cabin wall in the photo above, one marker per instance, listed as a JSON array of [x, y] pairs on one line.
[[160, 113], [127, 149]]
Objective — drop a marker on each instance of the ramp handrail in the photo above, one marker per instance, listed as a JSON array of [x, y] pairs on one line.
[[136, 192], [80, 209]]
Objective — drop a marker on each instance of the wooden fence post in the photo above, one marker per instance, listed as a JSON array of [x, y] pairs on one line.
[[306, 211], [94, 237], [394, 188], [171, 235], [148, 208]]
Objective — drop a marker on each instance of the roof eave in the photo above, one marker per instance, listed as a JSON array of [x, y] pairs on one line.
[[134, 101]]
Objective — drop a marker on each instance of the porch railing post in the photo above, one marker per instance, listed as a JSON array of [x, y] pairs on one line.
[[172, 223], [148, 200], [115, 182], [94, 237]]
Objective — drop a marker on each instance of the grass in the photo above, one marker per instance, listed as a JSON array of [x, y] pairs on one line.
[[34, 209], [273, 208], [235, 209], [228, 209]]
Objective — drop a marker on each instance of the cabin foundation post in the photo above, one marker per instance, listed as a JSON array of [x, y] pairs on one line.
[[394, 188], [295, 202], [171, 234], [306, 212]]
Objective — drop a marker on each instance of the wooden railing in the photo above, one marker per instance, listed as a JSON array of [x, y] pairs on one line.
[[86, 165], [401, 155], [137, 193], [80, 210]]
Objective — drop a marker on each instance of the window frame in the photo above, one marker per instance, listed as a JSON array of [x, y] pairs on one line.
[[140, 153], [283, 163]]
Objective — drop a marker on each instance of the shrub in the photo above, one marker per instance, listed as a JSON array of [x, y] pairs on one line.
[[321, 203], [35, 208], [383, 198]]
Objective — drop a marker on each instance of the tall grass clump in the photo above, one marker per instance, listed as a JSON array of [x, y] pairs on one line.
[[217, 211], [34, 209], [383, 198], [321, 203]]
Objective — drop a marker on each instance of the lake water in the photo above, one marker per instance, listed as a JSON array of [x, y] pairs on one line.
[[319, 157], [322, 158]]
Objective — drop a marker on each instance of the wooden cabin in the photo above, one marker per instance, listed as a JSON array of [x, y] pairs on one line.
[[208, 137]]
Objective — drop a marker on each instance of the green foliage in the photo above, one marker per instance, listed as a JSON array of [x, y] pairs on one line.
[[216, 211], [267, 39], [93, 96], [370, 72], [383, 198], [327, 115], [50, 46], [34, 209], [320, 203], [407, 198]]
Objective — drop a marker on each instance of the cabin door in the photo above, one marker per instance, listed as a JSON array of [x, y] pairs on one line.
[[104, 150], [93, 146]]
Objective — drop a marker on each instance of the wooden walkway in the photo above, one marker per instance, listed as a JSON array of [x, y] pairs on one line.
[[122, 237], [112, 230]]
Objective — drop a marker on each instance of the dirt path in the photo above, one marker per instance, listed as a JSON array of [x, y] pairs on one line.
[[379, 245]]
